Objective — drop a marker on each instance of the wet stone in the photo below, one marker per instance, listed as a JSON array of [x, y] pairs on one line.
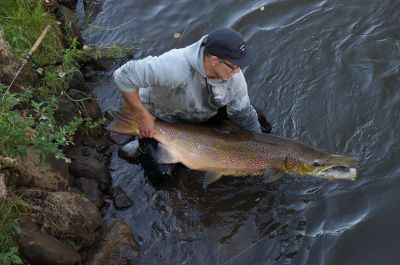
[[91, 190], [129, 152], [86, 152], [38, 249], [120, 199], [119, 138], [91, 167], [117, 246]]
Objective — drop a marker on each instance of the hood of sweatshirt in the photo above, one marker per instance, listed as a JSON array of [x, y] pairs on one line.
[[195, 55]]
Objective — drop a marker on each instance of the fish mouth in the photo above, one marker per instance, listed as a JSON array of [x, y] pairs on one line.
[[337, 172]]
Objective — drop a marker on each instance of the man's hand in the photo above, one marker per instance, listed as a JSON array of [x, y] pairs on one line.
[[146, 124], [144, 117]]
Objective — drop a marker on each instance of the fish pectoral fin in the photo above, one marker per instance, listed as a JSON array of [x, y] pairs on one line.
[[272, 174], [211, 177], [163, 156]]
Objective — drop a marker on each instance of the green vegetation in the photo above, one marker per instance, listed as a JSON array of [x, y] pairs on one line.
[[27, 116], [11, 209], [36, 128]]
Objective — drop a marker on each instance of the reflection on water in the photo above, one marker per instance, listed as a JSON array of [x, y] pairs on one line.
[[327, 74]]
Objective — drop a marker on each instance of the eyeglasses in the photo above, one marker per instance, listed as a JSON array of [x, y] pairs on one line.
[[233, 68]]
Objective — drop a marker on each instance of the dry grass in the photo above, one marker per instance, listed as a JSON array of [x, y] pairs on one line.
[[7, 64], [3, 188], [7, 162], [5, 53], [65, 221]]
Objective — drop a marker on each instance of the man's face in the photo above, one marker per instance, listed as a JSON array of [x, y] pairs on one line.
[[225, 70]]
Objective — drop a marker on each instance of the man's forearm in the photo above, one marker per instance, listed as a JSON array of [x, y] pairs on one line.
[[133, 99]]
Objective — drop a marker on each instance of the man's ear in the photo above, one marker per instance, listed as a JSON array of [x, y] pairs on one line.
[[213, 60]]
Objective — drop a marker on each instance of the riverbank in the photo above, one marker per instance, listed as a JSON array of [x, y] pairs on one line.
[[54, 155]]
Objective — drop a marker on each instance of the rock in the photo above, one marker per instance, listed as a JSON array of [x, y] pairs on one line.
[[89, 72], [117, 247], [104, 64], [96, 141], [77, 94], [91, 167], [118, 138], [67, 215], [91, 190], [41, 249], [91, 109], [52, 174], [77, 81], [120, 200], [87, 106], [66, 111], [69, 3], [69, 23], [129, 152], [103, 146]]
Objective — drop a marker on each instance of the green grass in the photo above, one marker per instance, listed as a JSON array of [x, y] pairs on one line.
[[22, 22]]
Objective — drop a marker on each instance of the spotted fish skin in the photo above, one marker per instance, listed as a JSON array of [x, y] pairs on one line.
[[229, 150]]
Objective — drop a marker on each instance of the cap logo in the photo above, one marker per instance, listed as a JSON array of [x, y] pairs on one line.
[[242, 48]]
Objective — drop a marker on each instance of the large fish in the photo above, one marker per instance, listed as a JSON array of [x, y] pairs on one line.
[[230, 151]]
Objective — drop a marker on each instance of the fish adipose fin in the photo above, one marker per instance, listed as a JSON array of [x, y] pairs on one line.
[[125, 122], [163, 156], [272, 174]]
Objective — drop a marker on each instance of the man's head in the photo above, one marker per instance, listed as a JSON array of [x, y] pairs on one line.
[[225, 52]]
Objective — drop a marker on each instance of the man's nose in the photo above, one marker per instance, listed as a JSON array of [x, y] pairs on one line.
[[236, 70]]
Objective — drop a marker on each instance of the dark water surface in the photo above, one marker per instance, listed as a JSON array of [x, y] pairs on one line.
[[328, 75]]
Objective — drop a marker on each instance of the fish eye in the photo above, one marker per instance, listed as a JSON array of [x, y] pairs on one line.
[[318, 163]]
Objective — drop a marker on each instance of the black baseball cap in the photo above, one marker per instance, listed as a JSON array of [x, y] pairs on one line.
[[228, 44]]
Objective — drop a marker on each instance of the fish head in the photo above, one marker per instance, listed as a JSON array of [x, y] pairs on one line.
[[307, 161]]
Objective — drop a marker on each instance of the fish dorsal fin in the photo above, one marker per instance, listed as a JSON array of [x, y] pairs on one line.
[[227, 127], [163, 156], [211, 177], [272, 174]]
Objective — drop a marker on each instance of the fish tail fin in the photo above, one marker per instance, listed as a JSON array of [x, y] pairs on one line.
[[125, 122]]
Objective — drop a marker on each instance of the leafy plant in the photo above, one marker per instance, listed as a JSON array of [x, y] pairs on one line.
[[38, 129], [13, 126], [91, 126], [11, 256]]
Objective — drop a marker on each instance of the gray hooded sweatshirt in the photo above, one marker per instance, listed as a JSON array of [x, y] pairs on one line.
[[174, 88]]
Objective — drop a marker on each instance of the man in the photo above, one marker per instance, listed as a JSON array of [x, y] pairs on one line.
[[188, 85]]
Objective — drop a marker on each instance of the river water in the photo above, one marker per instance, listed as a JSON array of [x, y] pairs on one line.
[[328, 75]]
